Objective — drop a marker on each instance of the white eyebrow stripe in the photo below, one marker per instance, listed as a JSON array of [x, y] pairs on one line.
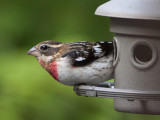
[[55, 46]]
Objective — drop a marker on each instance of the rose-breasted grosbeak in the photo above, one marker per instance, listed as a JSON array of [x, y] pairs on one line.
[[76, 62]]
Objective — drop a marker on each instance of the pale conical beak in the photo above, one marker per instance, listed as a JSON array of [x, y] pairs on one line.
[[33, 51]]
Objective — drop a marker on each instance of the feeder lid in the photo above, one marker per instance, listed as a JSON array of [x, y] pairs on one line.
[[137, 9]]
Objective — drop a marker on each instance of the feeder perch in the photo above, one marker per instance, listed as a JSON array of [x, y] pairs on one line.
[[136, 24]]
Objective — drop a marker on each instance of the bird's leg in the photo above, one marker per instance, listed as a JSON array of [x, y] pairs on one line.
[[106, 84]]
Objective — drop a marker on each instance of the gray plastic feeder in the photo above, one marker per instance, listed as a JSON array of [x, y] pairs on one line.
[[136, 24]]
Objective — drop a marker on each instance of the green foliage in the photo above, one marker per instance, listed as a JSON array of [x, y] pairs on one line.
[[27, 92], [25, 23]]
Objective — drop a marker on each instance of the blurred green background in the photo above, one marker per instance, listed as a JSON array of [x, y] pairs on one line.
[[27, 92]]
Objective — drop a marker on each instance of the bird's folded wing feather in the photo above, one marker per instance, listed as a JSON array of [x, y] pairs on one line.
[[83, 53]]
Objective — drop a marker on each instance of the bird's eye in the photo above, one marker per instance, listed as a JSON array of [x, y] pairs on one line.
[[44, 47]]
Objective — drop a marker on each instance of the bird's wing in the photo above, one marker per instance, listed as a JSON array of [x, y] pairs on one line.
[[82, 53]]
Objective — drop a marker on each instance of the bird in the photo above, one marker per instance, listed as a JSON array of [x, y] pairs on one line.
[[76, 63]]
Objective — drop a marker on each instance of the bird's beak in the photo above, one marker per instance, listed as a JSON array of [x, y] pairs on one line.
[[33, 51]]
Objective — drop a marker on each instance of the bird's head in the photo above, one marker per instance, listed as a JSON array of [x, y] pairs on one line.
[[46, 51]]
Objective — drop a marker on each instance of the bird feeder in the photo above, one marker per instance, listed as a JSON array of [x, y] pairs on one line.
[[136, 24]]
